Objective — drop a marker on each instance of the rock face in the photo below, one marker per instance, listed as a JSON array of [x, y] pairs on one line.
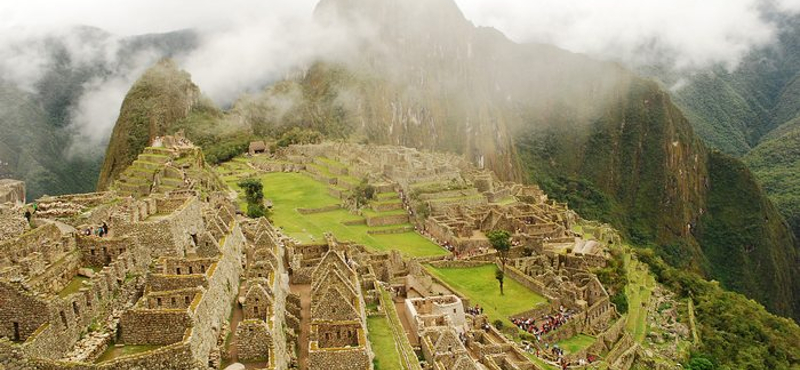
[[161, 97], [12, 191]]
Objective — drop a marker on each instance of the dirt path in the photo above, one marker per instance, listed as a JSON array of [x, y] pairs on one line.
[[236, 318], [305, 322], [401, 312]]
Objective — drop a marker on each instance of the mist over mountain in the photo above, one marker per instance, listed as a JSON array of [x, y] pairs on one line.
[[638, 153]]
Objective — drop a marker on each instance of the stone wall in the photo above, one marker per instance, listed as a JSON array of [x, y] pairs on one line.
[[99, 252], [339, 359], [12, 191], [20, 311], [387, 220], [216, 303], [154, 327], [162, 282], [12, 222], [253, 340]]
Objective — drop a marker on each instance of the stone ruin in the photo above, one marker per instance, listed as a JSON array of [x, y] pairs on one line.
[[161, 283], [12, 191]]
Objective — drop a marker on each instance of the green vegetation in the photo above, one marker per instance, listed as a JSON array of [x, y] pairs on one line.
[[478, 284], [614, 278], [735, 332], [501, 242], [362, 194], [380, 335], [292, 191], [576, 343], [638, 292], [73, 287], [114, 352], [254, 195], [297, 135]]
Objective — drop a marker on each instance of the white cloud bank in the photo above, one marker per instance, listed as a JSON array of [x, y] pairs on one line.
[[247, 43]]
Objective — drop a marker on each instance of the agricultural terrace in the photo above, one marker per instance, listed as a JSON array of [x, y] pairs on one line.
[[290, 192]]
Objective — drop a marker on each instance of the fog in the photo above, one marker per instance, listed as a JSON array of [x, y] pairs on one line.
[[245, 44]]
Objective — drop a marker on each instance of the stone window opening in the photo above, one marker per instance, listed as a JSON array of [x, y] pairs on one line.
[[186, 300], [173, 301], [191, 270], [64, 319], [158, 302], [92, 251], [16, 331], [178, 271], [75, 308]]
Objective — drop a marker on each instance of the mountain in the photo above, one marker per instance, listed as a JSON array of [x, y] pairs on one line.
[[753, 112], [36, 139], [594, 134], [162, 96]]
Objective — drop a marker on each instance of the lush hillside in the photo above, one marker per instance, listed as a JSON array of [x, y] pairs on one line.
[[161, 97]]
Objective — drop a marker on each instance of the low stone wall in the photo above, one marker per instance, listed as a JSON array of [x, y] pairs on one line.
[[528, 282], [399, 230], [309, 211], [339, 359], [162, 282], [387, 220], [387, 206], [459, 264], [154, 327]]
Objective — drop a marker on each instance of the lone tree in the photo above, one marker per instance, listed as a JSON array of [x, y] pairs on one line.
[[254, 194], [501, 241], [499, 275], [362, 193]]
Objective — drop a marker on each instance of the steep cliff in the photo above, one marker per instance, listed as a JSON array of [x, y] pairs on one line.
[[161, 97]]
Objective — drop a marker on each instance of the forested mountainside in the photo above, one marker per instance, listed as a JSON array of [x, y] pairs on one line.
[[36, 124], [753, 112]]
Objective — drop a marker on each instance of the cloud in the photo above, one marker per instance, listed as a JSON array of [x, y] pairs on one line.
[[684, 33], [245, 44]]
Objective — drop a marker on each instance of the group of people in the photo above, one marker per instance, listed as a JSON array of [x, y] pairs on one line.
[[99, 231], [475, 311], [548, 323]]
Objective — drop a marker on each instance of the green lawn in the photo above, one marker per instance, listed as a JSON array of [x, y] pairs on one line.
[[380, 335], [639, 289], [116, 352], [73, 287], [576, 343], [479, 285], [290, 191]]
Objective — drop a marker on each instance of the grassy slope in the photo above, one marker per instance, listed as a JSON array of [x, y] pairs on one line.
[[480, 286], [290, 191], [380, 335]]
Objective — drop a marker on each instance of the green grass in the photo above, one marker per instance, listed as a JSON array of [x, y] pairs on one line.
[[576, 343], [380, 335], [74, 285], [639, 289], [290, 191], [479, 285], [116, 352]]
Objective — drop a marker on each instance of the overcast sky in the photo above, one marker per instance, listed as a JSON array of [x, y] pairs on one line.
[[698, 31], [245, 43]]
